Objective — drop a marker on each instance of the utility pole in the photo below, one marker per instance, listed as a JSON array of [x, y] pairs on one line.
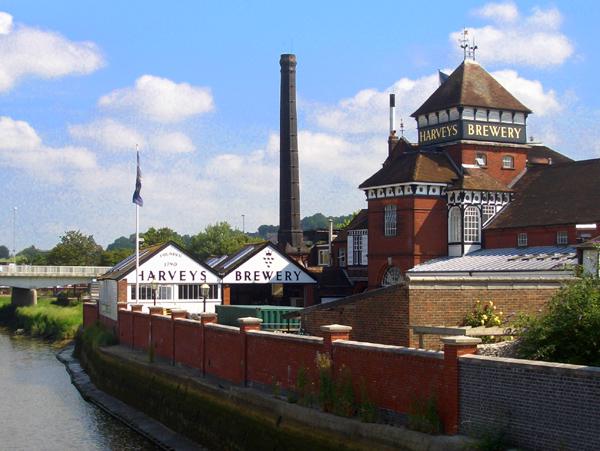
[[15, 235]]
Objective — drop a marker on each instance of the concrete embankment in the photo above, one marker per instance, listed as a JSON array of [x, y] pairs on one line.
[[156, 432], [221, 416]]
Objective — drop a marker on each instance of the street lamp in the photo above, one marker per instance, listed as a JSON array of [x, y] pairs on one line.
[[15, 235], [154, 286], [204, 289]]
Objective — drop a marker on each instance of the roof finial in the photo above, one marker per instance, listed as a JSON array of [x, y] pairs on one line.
[[401, 127], [468, 48]]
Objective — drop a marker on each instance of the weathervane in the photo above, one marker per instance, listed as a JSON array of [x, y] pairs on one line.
[[468, 48]]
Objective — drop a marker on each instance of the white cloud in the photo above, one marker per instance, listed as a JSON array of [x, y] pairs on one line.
[[172, 142], [22, 148], [500, 12], [530, 92], [534, 40], [107, 133], [160, 99], [26, 51]]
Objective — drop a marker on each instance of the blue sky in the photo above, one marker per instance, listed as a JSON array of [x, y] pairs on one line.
[[196, 85]]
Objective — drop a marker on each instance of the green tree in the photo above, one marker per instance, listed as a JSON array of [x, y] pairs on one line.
[[4, 252], [568, 330], [158, 236], [33, 256], [265, 230], [341, 222], [75, 248], [111, 258], [219, 239], [122, 243]]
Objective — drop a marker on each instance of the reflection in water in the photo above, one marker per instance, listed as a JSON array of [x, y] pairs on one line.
[[41, 410]]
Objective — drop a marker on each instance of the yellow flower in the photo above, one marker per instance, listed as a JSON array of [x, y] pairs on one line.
[[485, 317], [500, 313], [482, 322], [491, 303]]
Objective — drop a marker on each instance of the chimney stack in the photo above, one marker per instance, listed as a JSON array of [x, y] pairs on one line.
[[290, 232], [392, 114]]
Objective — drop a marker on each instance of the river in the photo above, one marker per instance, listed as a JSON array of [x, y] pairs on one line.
[[41, 410]]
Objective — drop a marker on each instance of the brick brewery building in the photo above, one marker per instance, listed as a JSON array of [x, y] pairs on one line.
[[472, 211]]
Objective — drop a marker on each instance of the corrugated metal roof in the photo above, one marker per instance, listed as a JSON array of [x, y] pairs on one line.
[[542, 258]]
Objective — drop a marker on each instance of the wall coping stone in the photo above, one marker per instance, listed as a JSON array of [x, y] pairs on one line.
[[249, 321], [538, 365], [191, 322], [428, 353], [293, 337], [336, 328], [223, 327], [460, 340], [207, 315]]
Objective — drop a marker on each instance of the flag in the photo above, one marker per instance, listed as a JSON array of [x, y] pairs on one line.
[[443, 77], [137, 199]]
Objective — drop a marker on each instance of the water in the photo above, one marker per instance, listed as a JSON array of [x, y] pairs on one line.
[[41, 410]]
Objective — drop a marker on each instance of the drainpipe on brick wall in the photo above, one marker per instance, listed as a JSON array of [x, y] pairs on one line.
[[448, 404], [246, 324], [205, 318]]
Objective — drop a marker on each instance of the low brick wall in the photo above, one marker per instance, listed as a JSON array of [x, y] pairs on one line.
[[535, 405], [90, 313]]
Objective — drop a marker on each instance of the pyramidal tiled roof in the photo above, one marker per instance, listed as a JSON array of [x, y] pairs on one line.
[[471, 85]]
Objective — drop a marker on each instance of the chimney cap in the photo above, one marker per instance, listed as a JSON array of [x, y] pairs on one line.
[[287, 58]]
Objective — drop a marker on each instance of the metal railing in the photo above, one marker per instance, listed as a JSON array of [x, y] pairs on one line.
[[52, 271]]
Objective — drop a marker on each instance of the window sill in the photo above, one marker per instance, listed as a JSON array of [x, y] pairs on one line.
[[507, 169]]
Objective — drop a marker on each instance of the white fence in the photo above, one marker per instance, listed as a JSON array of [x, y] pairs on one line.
[[52, 271]]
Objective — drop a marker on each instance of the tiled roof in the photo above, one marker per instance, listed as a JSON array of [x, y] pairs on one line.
[[540, 154], [470, 85], [333, 277], [227, 263], [557, 194], [479, 180], [416, 166], [542, 258], [360, 221]]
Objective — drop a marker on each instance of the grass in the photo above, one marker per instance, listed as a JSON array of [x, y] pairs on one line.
[[45, 320]]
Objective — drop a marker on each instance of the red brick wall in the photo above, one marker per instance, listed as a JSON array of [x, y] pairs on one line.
[[162, 336], [393, 380], [274, 360], [536, 236], [90, 314], [188, 343], [122, 291], [141, 330], [223, 353], [125, 327], [448, 307], [378, 316]]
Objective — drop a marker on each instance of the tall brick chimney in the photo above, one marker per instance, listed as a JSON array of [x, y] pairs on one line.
[[290, 232]]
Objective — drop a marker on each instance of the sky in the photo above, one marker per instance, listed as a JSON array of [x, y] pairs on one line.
[[196, 86]]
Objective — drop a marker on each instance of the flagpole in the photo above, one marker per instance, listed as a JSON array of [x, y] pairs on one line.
[[137, 238]]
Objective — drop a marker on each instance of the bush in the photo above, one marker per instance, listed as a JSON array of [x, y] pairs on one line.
[[483, 314], [569, 330], [63, 300], [423, 416]]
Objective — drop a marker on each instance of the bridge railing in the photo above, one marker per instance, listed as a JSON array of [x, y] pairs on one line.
[[35, 270]]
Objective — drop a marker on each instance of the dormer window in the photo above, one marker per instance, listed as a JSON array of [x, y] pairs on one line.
[[468, 114], [494, 116], [519, 118], [506, 117], [481, 115], [481, 159], [508, 162]]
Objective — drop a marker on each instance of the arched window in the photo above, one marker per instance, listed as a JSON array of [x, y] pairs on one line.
[[454, 225], [390, 220], [391, 277], [472, 225]]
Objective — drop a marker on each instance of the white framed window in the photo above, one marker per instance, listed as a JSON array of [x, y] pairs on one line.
[[145, 292], [508, 162], [443, 116], [468, 114], [522, 239], [323, 257], [494, 116], [481, 159], [454, 225], [391, 277], [432, 118], [519, 118], [357, 249], [506, 117], [562, 237], [481, 115], [342, 257], [423, 121], [390, 220], [487, 212], [472, 227], [454, 114]]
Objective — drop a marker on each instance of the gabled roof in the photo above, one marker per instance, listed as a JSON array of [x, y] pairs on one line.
[[470, 85], [228, 263], [542, 258], [538, 154], [417, 166], [127, 265], [477, 179], [551, 195], [360, 221]]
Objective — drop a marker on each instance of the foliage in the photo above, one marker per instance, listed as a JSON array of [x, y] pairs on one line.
[[326, 385], [424, 417], [33, 256], [4, 252], [492, 441], [219, 239], [111, 258], [265, 230], [483, 314], [122, 243], [93, 337], [367, 410], [154, 236], [345, 400], [75, 249], [344, 221], [569, 329]]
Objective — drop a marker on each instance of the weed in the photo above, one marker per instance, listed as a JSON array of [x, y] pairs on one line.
[[423, 416]]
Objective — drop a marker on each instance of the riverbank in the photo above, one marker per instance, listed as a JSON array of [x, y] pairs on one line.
[[45, 320], [224, 416]]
